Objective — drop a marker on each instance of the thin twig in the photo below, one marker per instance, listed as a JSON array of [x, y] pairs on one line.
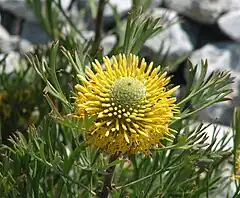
[[98, 26], [107, 183]]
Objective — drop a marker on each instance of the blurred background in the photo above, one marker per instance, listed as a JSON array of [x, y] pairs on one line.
[[193, 29]]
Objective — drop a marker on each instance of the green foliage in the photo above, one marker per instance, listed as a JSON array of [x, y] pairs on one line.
[[47, 160], [205, 91], [53, 87], [55, 161], [21, 103], [236, 144], [188, 170], [138, 30]]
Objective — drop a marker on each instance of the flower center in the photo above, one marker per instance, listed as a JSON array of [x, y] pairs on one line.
[[128, 92]]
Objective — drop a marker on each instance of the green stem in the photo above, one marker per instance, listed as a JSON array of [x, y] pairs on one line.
[[107, 183]]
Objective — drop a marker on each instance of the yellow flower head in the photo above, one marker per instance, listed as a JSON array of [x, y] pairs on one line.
[[131, 104]]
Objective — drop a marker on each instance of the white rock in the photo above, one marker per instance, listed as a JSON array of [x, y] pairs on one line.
[[34, 33], [12, 62], [15, 43], [121, 6], [230, 24], [108, 43], [10, 43], [18, 8], [156, 3], [65, 4], [221, 56], [25, 46], [4, 35], [173, 39], [232, 5], [204, 11]]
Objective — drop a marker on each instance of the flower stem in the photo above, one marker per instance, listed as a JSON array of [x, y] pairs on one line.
[[107, 183]]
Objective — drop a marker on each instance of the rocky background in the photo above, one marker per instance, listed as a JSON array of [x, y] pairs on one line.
[[205, 29]]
